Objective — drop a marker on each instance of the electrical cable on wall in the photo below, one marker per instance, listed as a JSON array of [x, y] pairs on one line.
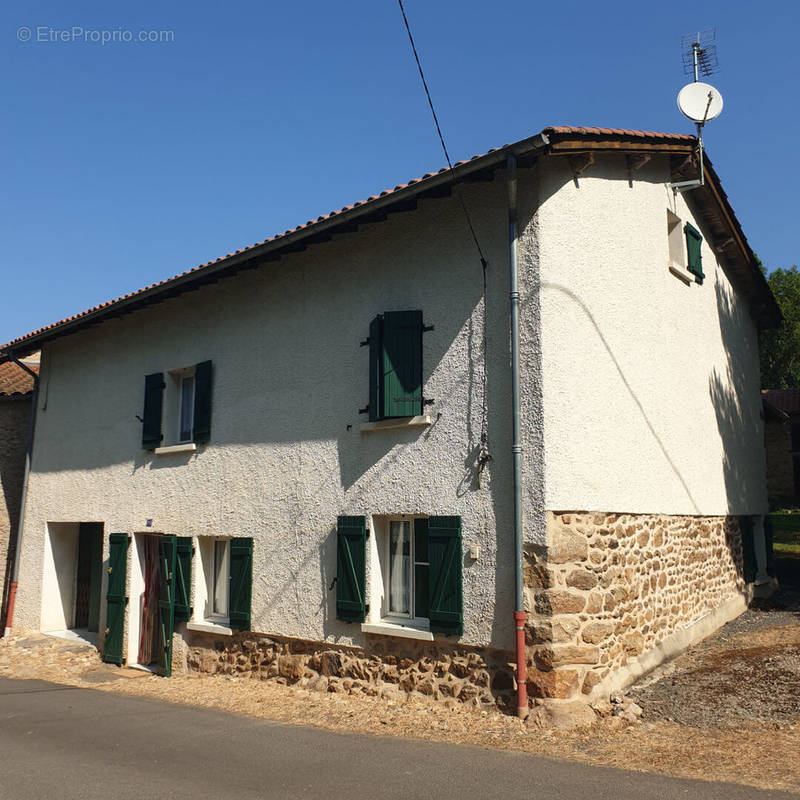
[[484, 455]]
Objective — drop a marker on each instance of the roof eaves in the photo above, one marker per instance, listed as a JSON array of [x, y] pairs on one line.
[[273, 246]]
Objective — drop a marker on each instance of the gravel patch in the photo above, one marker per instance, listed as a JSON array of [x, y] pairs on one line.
[[747, 672]]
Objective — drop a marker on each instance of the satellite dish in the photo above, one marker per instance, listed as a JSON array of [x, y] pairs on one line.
[[700, 102]]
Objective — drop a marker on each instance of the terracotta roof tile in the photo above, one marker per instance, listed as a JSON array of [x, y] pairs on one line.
[[14, 379]]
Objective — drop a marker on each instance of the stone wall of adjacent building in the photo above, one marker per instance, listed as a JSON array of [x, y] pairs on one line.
[[390, 668], [14, 413], [611, 587], [780, 469]]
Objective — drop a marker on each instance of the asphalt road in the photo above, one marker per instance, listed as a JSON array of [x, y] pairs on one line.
[[62, 742]]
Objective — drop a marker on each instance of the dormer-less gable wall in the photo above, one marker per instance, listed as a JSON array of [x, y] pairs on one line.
[[651, 393]]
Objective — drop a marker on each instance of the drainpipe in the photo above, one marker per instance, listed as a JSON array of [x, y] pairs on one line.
[[12, 594], [516, 442]]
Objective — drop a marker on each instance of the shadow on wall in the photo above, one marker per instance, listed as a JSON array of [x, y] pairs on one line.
[[737, 405], [625, 384]]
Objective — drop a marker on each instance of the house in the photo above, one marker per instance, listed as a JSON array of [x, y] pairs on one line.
[[16, 388], [782, 444], [303, 461]]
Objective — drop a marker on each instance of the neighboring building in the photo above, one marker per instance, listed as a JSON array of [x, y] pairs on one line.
[[782, 444], [313, 510], [16, 387]]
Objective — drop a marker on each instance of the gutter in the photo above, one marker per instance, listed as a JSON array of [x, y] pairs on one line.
[[516, 443], [12, 594]]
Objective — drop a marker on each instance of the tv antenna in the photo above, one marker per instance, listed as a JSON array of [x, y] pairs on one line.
[[700, 102]]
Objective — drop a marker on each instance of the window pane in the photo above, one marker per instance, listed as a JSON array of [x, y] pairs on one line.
[[187, 408], [399, 567], [220, 588]]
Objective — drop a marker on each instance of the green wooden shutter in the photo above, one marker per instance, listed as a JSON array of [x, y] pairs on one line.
[[402, 364], [167, 547], [421, 568], [351, 569], [444, 552], [241, 583], [375, 370], [202, 402], [153, 401], [694, 248], [183, 578], [116, 599]]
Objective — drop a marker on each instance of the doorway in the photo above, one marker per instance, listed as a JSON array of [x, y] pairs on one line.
[[89, 576], [153, 617], [72, 579]]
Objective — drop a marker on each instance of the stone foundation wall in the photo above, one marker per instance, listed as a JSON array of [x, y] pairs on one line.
[[391, 668], [611, 587]]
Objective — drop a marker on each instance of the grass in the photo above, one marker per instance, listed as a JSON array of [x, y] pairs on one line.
[[786, 533]]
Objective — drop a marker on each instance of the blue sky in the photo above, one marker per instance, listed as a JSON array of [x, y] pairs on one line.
[[126, 163]]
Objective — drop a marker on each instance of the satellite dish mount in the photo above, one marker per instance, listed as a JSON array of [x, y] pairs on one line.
[[700, 102]]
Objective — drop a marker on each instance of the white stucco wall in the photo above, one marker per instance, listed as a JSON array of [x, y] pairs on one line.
[[651, 387], [286, 455]]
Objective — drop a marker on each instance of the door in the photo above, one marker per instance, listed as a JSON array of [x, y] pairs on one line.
[[116, 599], [167, 546], [89, 575]]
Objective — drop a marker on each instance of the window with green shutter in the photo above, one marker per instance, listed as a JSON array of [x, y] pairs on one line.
[[418, 572], [395, 365], [351, 569], [185, 417], [694, 247]]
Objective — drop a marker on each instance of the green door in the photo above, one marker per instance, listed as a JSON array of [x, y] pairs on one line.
[[116, 600], [167, 547]]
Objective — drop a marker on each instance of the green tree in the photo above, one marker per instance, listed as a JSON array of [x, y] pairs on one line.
[[780, 348]]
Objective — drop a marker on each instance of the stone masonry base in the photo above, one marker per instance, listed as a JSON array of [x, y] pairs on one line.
[[614, 595], [609, 598], [389, 668]]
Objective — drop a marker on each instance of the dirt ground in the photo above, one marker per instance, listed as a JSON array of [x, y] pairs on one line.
[[727, 710]]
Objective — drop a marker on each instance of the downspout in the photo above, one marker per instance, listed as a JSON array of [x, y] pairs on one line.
[[12, 593], [516, 442]]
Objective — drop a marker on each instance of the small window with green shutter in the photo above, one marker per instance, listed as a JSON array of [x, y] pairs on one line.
[[223, 584], [185, 417], [694, 255], [395, 365], [417, 575]]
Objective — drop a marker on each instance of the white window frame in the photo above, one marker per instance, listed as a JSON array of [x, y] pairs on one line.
[[205, 581], [676, 244], [381, 570]]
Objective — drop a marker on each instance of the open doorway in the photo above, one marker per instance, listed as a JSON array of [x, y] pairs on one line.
[[152, 615], [72, 579]]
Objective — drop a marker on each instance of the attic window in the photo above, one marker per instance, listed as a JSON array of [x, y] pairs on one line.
[[677, 258]]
